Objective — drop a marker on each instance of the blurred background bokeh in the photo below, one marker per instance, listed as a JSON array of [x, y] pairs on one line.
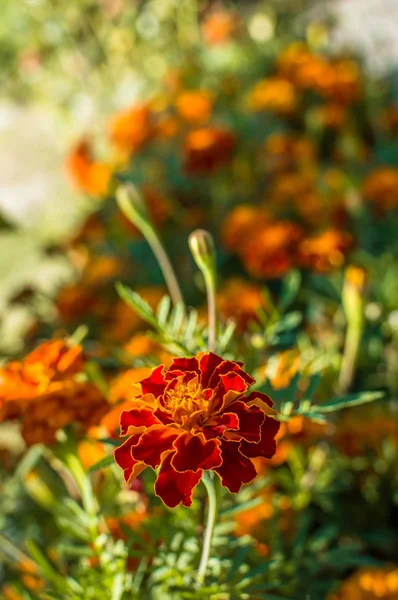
[[67, 66]]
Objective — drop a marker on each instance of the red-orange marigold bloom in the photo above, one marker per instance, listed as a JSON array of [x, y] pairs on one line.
[[195, 416], [207, 148]]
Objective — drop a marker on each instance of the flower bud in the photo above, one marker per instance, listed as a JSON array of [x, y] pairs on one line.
[[353, 293], [133, 206], [201, 244]]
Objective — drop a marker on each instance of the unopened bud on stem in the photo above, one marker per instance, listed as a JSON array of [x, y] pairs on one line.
[[203, 250], [133, 206]]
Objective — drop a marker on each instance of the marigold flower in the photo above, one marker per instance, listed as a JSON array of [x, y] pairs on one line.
[[274, 94], [271, 250], [373, 583], [240, 223], [324, 251], [86, 174], [381, 188], [207, 148], [220, 26], [195, 416], [131, 128], [285, 151], [194, 106], [240, 300], [46, 392]]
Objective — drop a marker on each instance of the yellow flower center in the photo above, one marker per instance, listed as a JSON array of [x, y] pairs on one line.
[[187, 403]]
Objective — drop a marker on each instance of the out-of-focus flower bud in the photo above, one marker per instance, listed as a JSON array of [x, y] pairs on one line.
[[201, 244], [133, 206]]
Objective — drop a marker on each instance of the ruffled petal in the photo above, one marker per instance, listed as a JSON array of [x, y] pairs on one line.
[[194, 452], [153, 443], [184, 364], [261, 401], [220, 424], [175, 488], [250, 420], [131, 467], [236, 469], [266, 447], [208, 362], [137, 417], [226, 367], [155, 383]]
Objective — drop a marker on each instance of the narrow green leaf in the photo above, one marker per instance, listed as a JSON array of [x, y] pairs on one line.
[[346, 402], [163, 310], [101, 464], [136, 303], [176, 320]]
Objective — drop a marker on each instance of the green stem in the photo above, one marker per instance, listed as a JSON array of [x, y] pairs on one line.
[[153, 240], [350, 356], [212, 489], [210, 282]]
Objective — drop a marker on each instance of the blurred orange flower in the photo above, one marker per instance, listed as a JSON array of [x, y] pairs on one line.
[[288, 150], [240, 300], [207, 148], [87, 174], [324, 251], [239, 224], [381, 188], [274, 94], [337, 80], [369, 583], [131, 128], [46, 392], [220, 26], [271, 250], [194, 106]]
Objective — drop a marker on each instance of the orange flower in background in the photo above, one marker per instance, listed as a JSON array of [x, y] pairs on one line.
[[274, 94], [194, 106], [87, 174], [285, 151], [219, 27], [369, 583], [131, 128], [46, 392], [142, 346], [271, 250], [324, 251], [239, 224], [338, 80], [357, 434], [240, 300], [207, 148], [195, 416], [381, 188]]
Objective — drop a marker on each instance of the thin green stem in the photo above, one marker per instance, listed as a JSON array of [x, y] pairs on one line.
[[153, 240], [212, 489], [350, 356], [210, 282]]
